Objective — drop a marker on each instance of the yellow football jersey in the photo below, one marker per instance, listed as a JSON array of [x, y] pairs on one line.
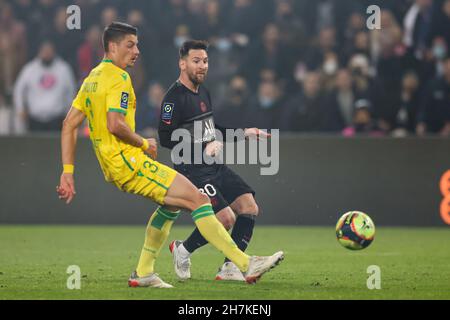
[[108, 88]]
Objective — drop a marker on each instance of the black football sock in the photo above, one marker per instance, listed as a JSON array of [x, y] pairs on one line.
[[194, 241], [243, 231]]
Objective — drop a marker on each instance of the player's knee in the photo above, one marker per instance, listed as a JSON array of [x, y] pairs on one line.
[[254, 209], [227, 221], [248, 208], [198, 200]]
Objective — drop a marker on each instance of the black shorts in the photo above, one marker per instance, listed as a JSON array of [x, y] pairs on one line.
[[222, 186]]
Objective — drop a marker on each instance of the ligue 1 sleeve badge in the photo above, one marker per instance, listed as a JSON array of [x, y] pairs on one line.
[[167, 112], [124, 100], [167, 108]]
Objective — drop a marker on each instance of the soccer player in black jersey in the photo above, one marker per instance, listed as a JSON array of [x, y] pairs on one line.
[[187, 104]]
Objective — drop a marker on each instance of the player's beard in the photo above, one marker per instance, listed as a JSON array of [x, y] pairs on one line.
[[196, 79]]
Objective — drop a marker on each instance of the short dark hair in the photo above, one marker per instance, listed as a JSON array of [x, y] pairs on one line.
[[193, 45], [115, 32]]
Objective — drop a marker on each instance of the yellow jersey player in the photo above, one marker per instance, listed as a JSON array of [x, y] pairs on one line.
[[106, 98]]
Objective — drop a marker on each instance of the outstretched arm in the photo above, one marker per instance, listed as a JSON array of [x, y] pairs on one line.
[[248, 132], [66, 188], [257, 133]]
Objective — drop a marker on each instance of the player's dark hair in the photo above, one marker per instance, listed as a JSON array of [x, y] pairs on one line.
[[115, 32], [193, 45]]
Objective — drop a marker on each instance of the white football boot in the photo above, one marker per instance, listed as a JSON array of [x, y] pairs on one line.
[[260, 265], [229, 271], [181, 264], [151, 280]]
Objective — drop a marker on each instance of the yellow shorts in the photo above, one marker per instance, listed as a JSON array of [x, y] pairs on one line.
[[147, 178]]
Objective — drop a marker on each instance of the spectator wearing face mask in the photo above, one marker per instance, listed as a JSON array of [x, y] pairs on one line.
[[44, 90], [226, 55], [433, 63], [328, 71], [163, 67]]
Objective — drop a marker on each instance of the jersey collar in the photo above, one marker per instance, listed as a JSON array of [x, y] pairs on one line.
[[111, 62], [193, 92]]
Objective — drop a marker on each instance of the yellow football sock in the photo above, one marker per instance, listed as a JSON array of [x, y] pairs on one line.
[[157, 231], [213, 231]]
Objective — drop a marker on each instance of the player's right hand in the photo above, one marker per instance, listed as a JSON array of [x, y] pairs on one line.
[[66, 188], [152, 150], [213, 148]]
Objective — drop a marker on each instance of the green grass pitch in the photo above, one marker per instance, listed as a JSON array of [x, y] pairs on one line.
[[414, 263]]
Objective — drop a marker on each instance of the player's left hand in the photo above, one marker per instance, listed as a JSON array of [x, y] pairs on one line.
[[256, 133], [66, 188]]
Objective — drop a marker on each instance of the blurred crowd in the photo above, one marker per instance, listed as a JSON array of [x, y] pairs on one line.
[[297, 65]]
